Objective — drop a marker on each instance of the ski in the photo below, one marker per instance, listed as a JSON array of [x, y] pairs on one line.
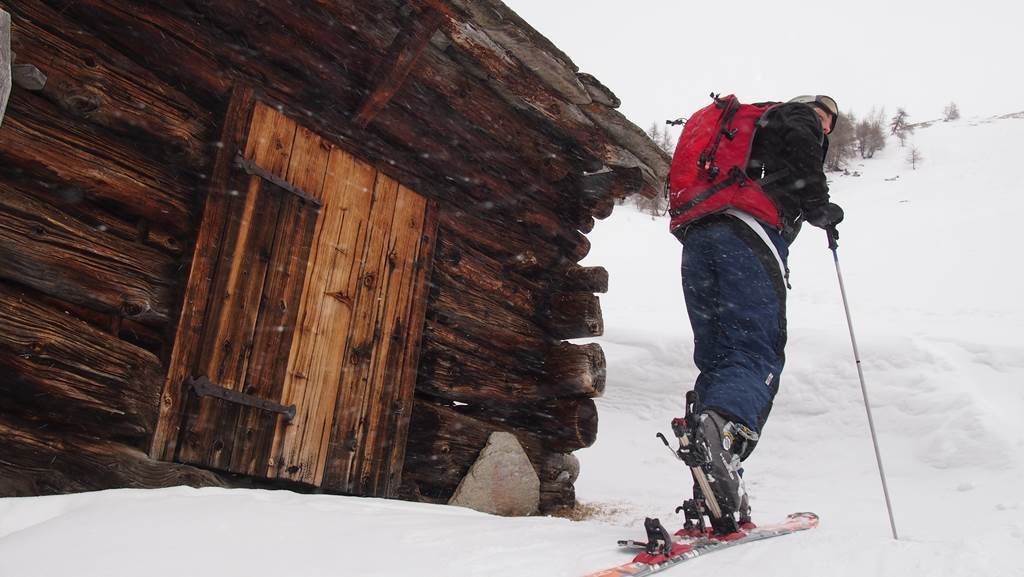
[[687, 545]]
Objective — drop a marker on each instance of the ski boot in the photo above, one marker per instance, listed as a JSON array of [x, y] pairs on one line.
[[713, 448]]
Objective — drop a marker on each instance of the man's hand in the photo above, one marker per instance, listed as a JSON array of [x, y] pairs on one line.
[[825, 216]]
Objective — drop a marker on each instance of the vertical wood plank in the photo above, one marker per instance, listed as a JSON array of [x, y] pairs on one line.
[[271, 139], [231, 324], [394, 398], [307, 167], [365, 336], [324, 311], [190, 322], [407, 375]]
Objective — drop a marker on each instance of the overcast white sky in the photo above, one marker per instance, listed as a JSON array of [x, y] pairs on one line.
[[663, 57]]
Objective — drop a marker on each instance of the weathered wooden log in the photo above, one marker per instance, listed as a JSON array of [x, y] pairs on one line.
[[592, 279], [457, 340], [481, 106], [447, 443], [577, 249], [520, 86], [456, 367], [47, 250], [489, 172], [514, 247], [477, 378], [654, 162], [489, 378], [73, 203], [524, 86], [153, 339], [397, 62], [564, 425], [524, 263], [464, 309], [557, 499], [598, 92], [558, 473], [614, 184], [602, 208], [470, 267], [586, 224], [575, 315], [575, 370], [528, 46], [195, 70], [106, 169], [38, 460], [92, 82], [88, 378]]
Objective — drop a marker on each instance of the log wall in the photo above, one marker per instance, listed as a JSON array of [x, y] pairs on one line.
[[105, 173]]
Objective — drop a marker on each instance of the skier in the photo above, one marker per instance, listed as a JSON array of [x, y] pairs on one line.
[[734, 276]]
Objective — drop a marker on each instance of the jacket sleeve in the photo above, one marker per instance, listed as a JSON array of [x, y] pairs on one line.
[[804, 147]]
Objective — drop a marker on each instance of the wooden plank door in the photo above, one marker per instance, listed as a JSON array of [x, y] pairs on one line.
[[315, 304]]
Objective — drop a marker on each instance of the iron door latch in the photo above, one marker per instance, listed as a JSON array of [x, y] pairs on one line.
[[203, 387]]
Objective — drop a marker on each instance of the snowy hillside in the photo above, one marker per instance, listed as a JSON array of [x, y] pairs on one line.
[[931, 266]]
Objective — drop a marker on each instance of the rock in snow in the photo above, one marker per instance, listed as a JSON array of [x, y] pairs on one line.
[[502, 481]]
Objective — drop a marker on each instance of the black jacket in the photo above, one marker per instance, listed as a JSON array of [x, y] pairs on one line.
[[789, 152]]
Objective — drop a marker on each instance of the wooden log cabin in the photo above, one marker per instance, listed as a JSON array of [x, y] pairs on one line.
[[322, 245]]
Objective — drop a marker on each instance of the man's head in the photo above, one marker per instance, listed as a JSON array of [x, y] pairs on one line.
[[825, 107]]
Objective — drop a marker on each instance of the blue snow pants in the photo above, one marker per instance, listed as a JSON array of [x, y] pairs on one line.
[[735, 296]]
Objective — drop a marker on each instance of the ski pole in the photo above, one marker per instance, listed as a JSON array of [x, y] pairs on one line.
[[833, 245]]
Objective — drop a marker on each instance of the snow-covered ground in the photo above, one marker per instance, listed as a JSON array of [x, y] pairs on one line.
[[931, 267]]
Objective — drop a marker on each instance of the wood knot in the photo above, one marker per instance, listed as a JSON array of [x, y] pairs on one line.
[[360, 354], [83, 104], [369, 280], [133, 309]]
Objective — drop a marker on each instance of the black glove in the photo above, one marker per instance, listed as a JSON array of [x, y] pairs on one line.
[[825, 216]]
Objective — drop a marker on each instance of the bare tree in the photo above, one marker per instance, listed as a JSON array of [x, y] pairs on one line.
[[951, 112], [899, 127], [662, 137], [914, 157], [842, 143], [870, 135]]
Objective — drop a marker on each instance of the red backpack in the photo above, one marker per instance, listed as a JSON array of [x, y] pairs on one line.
[[708, 173]]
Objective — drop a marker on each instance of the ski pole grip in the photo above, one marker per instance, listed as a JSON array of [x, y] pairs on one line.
[[833, 237]]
